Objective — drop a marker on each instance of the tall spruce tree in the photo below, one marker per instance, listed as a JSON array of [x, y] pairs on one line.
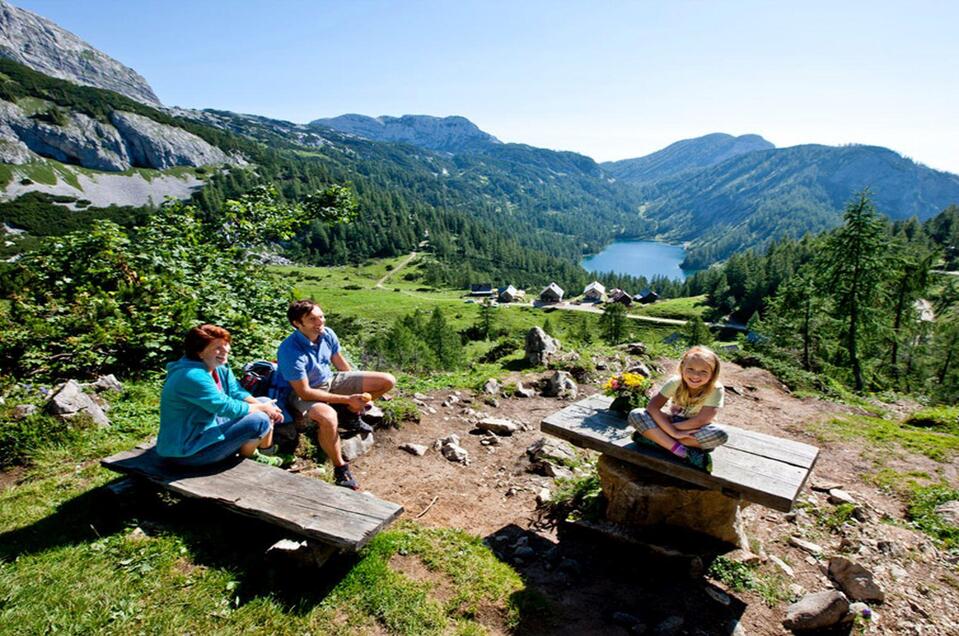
[[854, 273], [613, 322]]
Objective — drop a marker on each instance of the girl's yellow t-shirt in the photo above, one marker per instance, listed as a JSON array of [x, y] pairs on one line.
[[715, 398]]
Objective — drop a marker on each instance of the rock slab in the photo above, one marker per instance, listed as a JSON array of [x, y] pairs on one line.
[[855, 580], [70, 402], [816, 611]]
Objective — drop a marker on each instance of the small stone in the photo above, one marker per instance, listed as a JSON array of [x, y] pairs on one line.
[[898, 572], [492, 440], [450, 401], [825, 486], [949, 512], [718, 596], [543, 496], [500, 426], [782, 565], [23, 411], [839, 496], [743, 556], [137, 534], [421, 397], [431, 410], [414, 449], [669, 626], [108, 383], [491, 401], [811, 560], [524, 392], [861, 610], [807, 546], [796, 590], [353, 447], [492, 387], [816, 611]]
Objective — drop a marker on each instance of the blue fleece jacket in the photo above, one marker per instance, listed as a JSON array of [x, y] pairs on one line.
[[191, 404]]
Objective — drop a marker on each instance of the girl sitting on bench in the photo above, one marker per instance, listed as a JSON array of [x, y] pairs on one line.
[[694, 397]]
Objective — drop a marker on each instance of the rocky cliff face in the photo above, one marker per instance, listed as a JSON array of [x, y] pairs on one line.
[[129, 140], [446, 134], [45, 47]]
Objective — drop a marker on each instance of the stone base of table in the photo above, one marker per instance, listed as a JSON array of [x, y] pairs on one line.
[[643, 498]]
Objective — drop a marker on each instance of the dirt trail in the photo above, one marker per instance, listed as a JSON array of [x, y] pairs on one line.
[[400, 266]]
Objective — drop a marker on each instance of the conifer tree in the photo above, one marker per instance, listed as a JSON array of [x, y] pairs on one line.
[[697, 333], [613, 322]]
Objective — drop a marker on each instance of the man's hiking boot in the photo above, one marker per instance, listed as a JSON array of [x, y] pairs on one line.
[[350, 422], [343, 477]]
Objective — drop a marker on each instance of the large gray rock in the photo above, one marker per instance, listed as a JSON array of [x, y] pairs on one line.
[[46, 47], [12, 150], [550, 450], [643, 498], [561, 384], [71, 402], [855, 580], [816, 611], [540, 346], [353, 447], [498, 425], [155, 145]]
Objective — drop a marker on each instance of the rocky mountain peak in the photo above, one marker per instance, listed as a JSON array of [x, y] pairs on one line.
[[447, 134], [45, 47]]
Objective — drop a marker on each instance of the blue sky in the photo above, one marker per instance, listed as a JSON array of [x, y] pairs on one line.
[[611, 80]]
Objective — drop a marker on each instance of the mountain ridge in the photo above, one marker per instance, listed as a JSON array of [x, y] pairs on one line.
[[452, 134]]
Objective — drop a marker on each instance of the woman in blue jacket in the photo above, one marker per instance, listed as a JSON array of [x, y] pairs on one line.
[[205, 415]]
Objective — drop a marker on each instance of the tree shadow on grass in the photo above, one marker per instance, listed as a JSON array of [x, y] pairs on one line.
[[215, 538], [587, 584]]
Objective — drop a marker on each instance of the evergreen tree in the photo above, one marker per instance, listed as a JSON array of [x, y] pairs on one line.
[[445, 343], [612, 323], [697, 333], [854, 272]]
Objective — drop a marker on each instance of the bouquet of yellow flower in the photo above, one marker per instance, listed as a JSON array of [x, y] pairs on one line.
[[628, 391]]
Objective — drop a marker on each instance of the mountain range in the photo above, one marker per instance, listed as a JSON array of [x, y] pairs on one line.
[[717, 193]]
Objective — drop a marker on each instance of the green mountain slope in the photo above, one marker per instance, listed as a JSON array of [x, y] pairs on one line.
[[751, 199]]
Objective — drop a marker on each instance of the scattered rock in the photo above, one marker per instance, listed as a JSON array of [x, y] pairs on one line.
[[492, 387], [861, 610], [550, 450], [450, 401], [669, 626], [450, 447], [540, 346], [561, 384], [949, 512], [490, 440], [816, 611], [635, 348], [898, 572], [23, 411], [356, 445], [544, 496], [782, 565], [640, 369], [421, 397], [70, 401], [498, 425], [825, 486], [107, 383], [855, 580], [524, 391], [491, 401], [806, 546], [431, 410], [796, 590], [743, 556], [839, 496], [414, 449]]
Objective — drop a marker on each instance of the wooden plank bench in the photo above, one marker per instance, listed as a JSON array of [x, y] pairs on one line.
[[751, 466], [321, 512]]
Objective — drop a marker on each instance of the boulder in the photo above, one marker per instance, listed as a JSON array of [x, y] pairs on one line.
[[450, 448], [640, 369], [540, 346], [855, 580], [640, 497], [839, 496], [816, 611], [498, 425], [70, 402], [561, 384], [150, 143], [356, 445], [107, 383], [492, 387], [23, 411], [550, 450]]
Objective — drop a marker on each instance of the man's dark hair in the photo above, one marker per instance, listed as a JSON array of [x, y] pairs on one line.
[[298, 309], [198, 338]]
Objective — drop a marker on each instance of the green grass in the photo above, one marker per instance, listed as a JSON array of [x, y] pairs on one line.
[[922, 505], [677, 308], [944, 419], [897, 482], [883, 433]]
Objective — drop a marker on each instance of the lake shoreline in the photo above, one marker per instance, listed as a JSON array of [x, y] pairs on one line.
[[639, 257]]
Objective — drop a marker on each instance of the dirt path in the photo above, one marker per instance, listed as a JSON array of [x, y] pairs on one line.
[[401, 265]]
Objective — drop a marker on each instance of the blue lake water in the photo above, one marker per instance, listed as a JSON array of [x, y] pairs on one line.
[[639, 258]]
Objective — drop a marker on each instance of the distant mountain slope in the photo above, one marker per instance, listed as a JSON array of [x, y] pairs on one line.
[[751, 199], [445, 134], [45, 47], [684, 155]]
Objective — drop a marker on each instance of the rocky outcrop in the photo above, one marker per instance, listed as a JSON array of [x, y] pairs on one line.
[[448, 134], [540, 346], [160, 146], [128, 141], [45, 47]]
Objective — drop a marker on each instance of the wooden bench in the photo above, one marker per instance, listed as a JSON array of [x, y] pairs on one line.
[[318, 511], [751, 466]]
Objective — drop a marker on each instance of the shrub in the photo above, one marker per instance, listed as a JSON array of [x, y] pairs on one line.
[[399, 410]]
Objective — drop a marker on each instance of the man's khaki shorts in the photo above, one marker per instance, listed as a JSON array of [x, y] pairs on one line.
[[342, 383]]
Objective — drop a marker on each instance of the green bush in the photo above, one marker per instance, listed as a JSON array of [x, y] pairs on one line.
[[736, 574], [399, 410], [21, 439]]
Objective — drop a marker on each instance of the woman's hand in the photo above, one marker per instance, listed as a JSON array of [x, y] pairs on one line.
[[270, 408]]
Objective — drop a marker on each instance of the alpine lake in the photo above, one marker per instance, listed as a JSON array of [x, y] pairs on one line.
[[639, 258]]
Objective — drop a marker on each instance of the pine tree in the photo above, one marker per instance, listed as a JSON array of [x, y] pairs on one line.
[[697, 333], [612, 323]]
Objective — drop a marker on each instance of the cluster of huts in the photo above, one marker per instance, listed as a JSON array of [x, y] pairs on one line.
[[595, 292]]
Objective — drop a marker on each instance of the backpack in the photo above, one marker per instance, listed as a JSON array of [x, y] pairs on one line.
[[257, 377]]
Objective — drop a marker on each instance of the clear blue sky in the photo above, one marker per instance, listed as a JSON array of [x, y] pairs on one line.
[[611, 80]]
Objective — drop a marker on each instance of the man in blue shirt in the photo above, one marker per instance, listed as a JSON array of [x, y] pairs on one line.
[[324, 389]]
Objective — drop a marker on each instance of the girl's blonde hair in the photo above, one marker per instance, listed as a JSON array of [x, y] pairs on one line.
[[684, 396]]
